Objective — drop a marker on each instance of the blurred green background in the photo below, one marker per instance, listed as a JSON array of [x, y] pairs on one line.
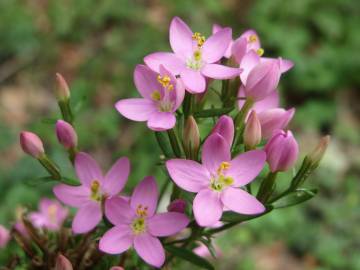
[[96, 45]]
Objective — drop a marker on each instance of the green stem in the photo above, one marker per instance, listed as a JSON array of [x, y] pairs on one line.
[[267, 187], [240, 121], [50, 166], [174, 141], [65, 109], [72, 154]]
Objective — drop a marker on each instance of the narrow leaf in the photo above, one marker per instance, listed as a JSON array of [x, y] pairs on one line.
[[296, 197], [212, 112]]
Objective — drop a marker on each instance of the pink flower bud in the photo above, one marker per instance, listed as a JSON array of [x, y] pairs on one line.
[[225, 127], [274, 119], [62, 88], [252, 132], [263, 80], [4, 236], [117, 268], [31, 144], [62, 263], [282, 151], [191, 136], [66, 134], [178, 205]]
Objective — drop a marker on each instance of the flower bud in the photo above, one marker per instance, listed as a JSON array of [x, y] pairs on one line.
[[252, 132], [66, 134], [62, 88], [191, 137], [317, 154], [116, 268], [225, 127], [31, 144], [262, 80], [178, 205], [274, 119], [282, 151], [62, 263], [4, 236]]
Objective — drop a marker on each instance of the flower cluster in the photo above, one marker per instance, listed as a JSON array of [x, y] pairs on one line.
[[220, 178]]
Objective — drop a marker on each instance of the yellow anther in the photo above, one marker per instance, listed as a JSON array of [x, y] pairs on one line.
[[95, 186], [170, 87], [252, 38], [141, 211], [163, 80], [197, 55], [156, 95], [199, 38], [224, 166], [260, 51], [228, 181], [138, 225]]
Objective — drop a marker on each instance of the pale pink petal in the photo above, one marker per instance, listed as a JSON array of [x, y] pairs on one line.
[[118, 211], [193, 80], [180, 93], [45, 203], [220, 72], [145, 194], [188, 174], [38, 219], [248, 62], [207, 207], [116, 178], [241, 202], [87, 169], [150, 249], [166, 224], [252, 45], [274, 119], [285, 65], [169, 60], [160, 121], [215, 46], [180, 38], [238, 49], [215, 151], [225, 127], [116, 240], [217, 28], [87, 217], [245, 167], [72, 196], [270, 102], [136, 109], [145, 81]]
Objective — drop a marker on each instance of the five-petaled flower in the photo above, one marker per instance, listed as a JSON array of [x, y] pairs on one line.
[[217, 180], [94, 190], [137, 224], [194, 57]]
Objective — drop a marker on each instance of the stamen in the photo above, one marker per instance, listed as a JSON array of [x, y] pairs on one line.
[[223, 166], [141, 211], [197, 55], [252, 38], [138, 225], [95, 190], [165, 82], [156, 96], [199, 38], [260, 51]]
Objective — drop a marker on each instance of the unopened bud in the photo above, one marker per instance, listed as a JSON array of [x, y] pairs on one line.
[[62, 263], [66, 134], [31, 144], [317, 154], [62, 88], [178, 205], [191, 137], [252, 132], [116, 268], [4, 236]]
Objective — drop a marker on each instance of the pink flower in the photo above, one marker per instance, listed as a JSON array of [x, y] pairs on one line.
[[4, 236], [63, 263], [194, 58], [225, 127], [217, 180], [162, 95], [94, 190], [31, 144], [282, 151], [51, 215], [66, 134], [137, 224]]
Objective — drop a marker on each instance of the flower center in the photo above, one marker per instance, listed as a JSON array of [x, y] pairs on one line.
[[138, 225], [220, 181], [95, 191], [195, 62], [52, 211], [200, 39]]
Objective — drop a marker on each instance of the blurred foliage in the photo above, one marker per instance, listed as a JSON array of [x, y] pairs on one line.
[[96, 45]]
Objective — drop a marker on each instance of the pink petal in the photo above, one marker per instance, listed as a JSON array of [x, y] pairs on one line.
[[188, 174], [145, 81], [136, 109], [245, 167], [45, 203], [248, 62], [217, 28], [215, 46], [116, 178], [38, 219], [87, 217], [180, 93], [87, 169], [215, 150], [238, 49], [170, 60], [150, 249], [270, 102], [118, 211], [220, 72], [116, 240], [285, 65], [145, 194], [225, 127], [274, 119], [181, 38], [241, 202], [251, 45], [72, 196], [160, 121], [166, 224], [207, 207], [193, 80]]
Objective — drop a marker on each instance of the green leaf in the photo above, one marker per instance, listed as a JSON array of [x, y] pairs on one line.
[[45, 179], [235, 217], [49, 121], [296, 197], [212, 112], [190, 257]]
